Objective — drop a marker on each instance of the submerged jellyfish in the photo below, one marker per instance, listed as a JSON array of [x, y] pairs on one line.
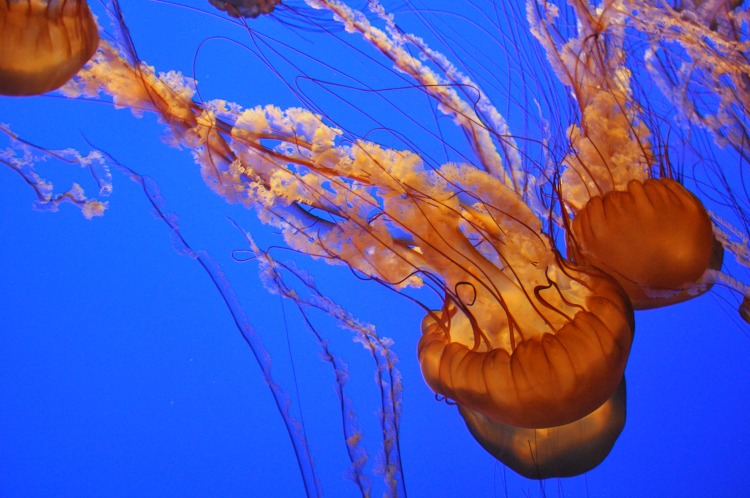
[[697, 55], [535, 407], [43, 43], [246, 8], [655, 238], [525, 349], [622, 214]]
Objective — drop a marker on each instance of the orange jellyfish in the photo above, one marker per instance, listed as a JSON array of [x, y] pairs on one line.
[[533, 359], [697, 57], [622, 214], [43, 43], [655, 238], [544, 407]]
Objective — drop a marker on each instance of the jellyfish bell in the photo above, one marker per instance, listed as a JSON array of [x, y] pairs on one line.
[[563, 451], [43, 43], [517, 372], [655, 238]]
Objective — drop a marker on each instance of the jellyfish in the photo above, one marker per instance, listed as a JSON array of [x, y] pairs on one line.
[[246, 8], [655, 237], [697, 57], [622, 214], [43, 43]]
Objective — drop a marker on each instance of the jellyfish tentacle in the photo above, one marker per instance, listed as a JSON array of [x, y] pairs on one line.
[[486, 133], [744, 309]]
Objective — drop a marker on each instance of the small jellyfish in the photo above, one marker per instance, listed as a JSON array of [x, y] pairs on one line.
[[245, 8], [43, 43]]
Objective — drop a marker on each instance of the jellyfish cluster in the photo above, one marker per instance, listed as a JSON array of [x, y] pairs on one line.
[[538, 268]]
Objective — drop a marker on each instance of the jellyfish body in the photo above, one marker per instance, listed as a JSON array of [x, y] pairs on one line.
[[656, 239], [43, 44], [563, 451], [629, 218], [546, 379]]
